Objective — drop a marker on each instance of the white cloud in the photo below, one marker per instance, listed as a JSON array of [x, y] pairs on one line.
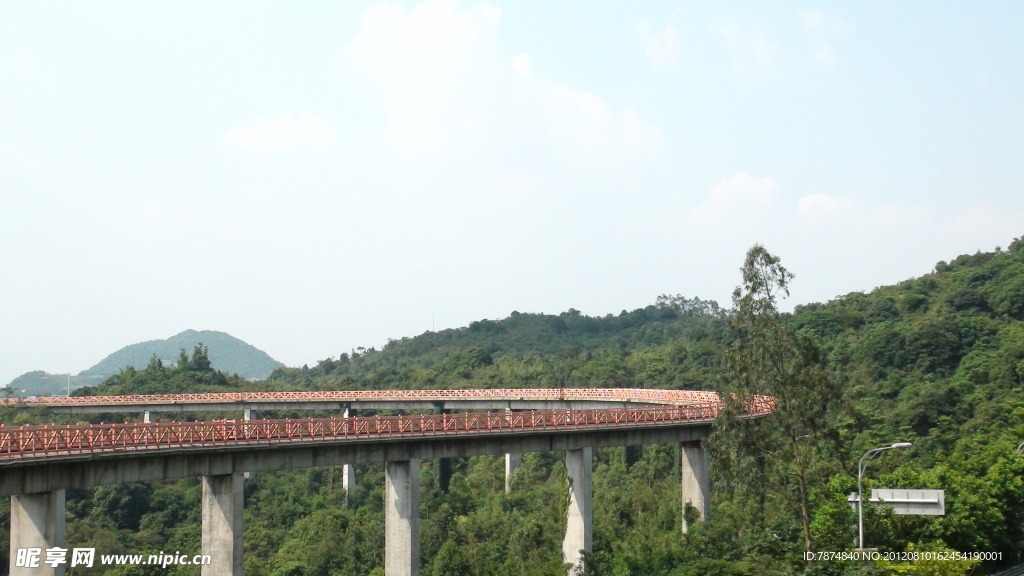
[[304, 133], [816, 205], [661, 47], [446, 84], [821, 31], [422, 61], [753, 54], [739, 194], [523, 65], [584, 126]]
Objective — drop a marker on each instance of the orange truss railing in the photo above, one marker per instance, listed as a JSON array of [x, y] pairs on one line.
[[539, 394], [23, 442]]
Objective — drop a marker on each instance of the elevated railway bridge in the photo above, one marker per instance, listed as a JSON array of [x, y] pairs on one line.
[[38, 463]]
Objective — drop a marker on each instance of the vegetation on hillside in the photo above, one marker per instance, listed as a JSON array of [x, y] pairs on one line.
[[937, 361], [227, 354]]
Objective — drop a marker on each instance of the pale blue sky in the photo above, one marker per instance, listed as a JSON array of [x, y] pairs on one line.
[[313, 177]]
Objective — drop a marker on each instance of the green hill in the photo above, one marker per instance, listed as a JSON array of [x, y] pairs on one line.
[[538, 350], [937, 361], [40, 383], [227, 354]]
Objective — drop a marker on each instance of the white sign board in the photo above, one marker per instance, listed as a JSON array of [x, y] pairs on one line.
[[911, 502]]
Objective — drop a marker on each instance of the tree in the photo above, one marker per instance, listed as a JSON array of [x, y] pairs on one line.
[[766, 357], [450, 561]]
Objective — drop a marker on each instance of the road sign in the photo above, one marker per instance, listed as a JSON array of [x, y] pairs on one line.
[[911, 502]]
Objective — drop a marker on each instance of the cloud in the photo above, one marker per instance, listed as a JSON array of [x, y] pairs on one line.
[[821, 31], [304, 133], [752, 53], [446, 85], [523, 65], [816, 205], [583, 126], [422, 62], [661, 47], [739, 194]]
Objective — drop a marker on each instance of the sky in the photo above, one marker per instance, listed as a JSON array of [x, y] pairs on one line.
[[312, 177]]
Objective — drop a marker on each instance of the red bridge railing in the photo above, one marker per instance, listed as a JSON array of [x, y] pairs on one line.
[[599, 394], [22, 442]]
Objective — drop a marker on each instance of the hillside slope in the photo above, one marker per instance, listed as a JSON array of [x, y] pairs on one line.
[[937, 361], [227, 353]]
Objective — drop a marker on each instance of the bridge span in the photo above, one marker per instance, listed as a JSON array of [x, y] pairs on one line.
[[38, 463]]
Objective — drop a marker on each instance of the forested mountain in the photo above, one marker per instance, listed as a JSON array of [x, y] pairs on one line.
[[40, 383], [937, 361], [227, 354], [538, 350]]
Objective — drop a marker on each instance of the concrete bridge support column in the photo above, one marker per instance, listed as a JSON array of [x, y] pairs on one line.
[[147, 417], [579, 467], [444, 467], [247, 414], [696, 483], [512, 463], [348, 471], [402, 518], [37, 521], [222, 524]]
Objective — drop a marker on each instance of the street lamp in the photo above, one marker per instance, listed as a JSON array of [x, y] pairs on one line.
[[1019, 446], [69, 383], [860, 487]]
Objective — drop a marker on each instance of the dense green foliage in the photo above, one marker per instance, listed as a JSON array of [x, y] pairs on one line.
[[937, 361], [188, 374], [538, 350]]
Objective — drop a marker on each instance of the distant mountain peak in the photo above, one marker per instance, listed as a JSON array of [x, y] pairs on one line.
[[227, 354]]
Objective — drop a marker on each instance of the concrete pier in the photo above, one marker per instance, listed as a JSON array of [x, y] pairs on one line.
[[579, 468], [444, 465], [37, 521], [696, 483], [222, 524], [247, 414], [402, 518], [512, 463], [147, 417], [348, 470], [513, 460], [348, 480]]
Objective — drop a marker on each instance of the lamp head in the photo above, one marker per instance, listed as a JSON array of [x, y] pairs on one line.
[[902, 445]]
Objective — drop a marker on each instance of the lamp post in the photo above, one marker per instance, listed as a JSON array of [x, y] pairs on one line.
[[1019, 446], [69, 382], [860, 487]]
